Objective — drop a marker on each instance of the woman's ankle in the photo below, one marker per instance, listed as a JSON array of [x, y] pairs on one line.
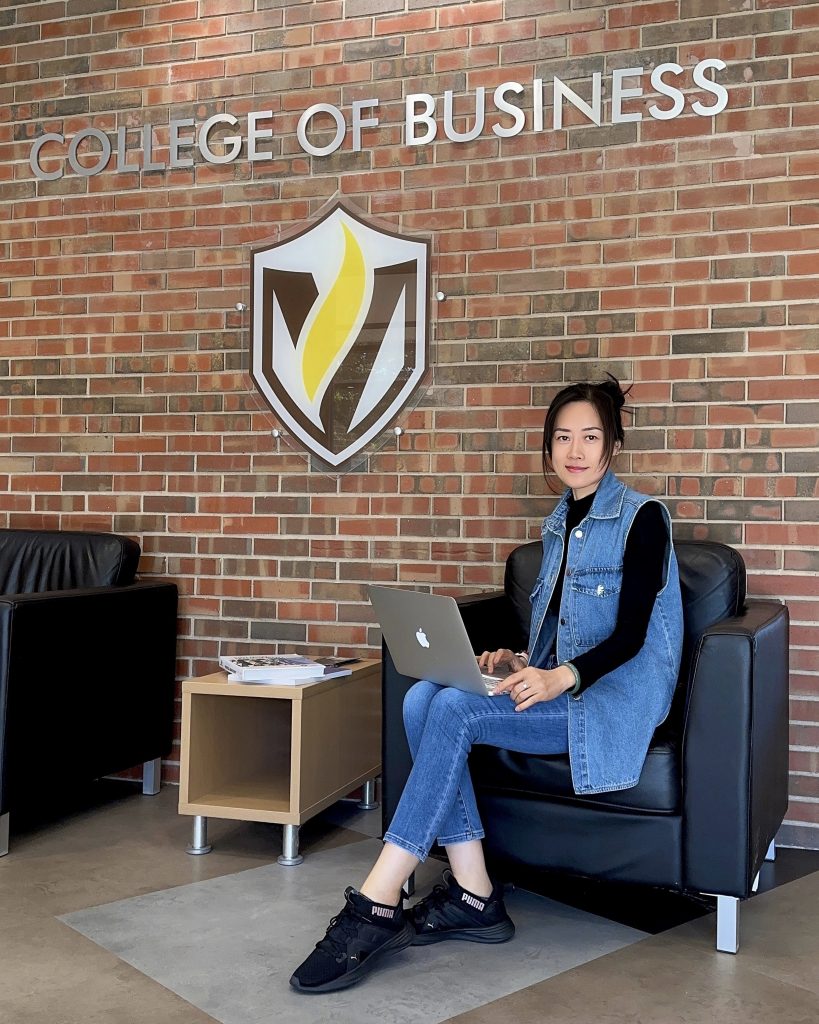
[[476, 885], [387, 876], [387, 898]]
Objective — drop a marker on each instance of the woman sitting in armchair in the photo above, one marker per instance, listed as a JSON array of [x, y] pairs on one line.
[[598, 677]]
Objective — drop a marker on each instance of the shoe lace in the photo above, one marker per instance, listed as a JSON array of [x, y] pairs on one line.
[[437, 899], [339, 932]]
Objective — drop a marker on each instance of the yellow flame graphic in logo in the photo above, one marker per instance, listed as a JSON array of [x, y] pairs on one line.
[[336, 317]]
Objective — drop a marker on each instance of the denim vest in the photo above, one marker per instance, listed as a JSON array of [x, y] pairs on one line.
[[612, 722]]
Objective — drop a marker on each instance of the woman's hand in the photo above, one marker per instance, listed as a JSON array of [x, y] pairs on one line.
[[489, 661], [532, 685]]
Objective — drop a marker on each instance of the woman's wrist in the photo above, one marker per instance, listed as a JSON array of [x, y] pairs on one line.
[[574, 685]]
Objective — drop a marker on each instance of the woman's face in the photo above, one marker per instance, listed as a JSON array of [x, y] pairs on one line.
[[578, 448]]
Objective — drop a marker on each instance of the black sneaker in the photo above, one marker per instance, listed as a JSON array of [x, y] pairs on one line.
[[450, 912], [361, 935]]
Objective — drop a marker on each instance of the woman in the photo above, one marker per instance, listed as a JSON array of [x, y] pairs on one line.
[[596, 680]]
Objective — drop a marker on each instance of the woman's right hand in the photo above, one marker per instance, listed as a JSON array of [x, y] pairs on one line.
[[489, 661]]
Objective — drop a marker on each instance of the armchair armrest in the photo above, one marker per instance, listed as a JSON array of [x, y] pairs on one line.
[[490, 621], [87, 681], [735, 749]]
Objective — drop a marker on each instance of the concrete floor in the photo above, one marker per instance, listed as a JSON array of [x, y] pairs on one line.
[[121, 844]]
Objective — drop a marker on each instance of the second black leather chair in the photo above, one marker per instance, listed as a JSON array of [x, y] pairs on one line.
[[87, 665]]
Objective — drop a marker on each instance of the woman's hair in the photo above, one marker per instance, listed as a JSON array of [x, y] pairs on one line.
[[607, 397]]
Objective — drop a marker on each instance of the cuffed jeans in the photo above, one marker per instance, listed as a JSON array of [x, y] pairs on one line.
[[442, 723]]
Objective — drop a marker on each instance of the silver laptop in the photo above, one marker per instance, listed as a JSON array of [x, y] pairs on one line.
[[427, 639]]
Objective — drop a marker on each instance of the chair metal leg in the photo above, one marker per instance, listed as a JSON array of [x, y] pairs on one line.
[[755, 883], [771, 854], [409, 886], [4, 834], [151, 775], [727, 924]]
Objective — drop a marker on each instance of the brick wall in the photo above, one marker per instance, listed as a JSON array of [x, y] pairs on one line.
[[682, 255]]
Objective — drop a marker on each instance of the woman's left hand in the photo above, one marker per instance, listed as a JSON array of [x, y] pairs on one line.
[[533, 685]]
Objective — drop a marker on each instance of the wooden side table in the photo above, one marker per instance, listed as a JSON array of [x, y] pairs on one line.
[[262, 752]]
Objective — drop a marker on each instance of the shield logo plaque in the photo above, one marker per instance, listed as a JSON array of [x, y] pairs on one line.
[[340, 330]]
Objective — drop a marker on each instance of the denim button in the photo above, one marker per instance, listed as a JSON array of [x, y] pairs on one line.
[[578, 534], [562, 622]]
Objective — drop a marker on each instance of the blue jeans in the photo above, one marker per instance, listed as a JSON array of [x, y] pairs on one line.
[[442, 723]]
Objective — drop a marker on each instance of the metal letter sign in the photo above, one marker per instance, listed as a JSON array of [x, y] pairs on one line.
[[340, 330]]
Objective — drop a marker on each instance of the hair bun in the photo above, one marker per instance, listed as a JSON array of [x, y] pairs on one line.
[[611, 387]]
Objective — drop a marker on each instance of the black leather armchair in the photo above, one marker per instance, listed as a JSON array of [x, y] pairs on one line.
[[713, 790], [87, 665]]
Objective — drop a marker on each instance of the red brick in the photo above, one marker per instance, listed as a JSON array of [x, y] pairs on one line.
[[571, 24], [415, 21], [666, 273], [716, 195], [598, 277], [778, 43], [672, 320], [631, 298], [643, 14], [675, 223], [750, 218], [785, 241], [711, 294], [513, 260], [433, 42], [604, 42], [788, 142], [758, 120], [471, 14], [756, 167]]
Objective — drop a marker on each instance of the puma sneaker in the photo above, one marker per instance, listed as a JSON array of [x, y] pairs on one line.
[[357, 939], [450, 912]]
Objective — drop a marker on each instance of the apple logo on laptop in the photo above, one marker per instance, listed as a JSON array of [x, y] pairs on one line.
[[421, 637]]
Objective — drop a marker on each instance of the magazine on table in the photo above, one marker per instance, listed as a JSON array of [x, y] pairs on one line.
[[282, 669]]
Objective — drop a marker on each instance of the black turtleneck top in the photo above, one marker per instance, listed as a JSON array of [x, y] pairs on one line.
[[643, 562]]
